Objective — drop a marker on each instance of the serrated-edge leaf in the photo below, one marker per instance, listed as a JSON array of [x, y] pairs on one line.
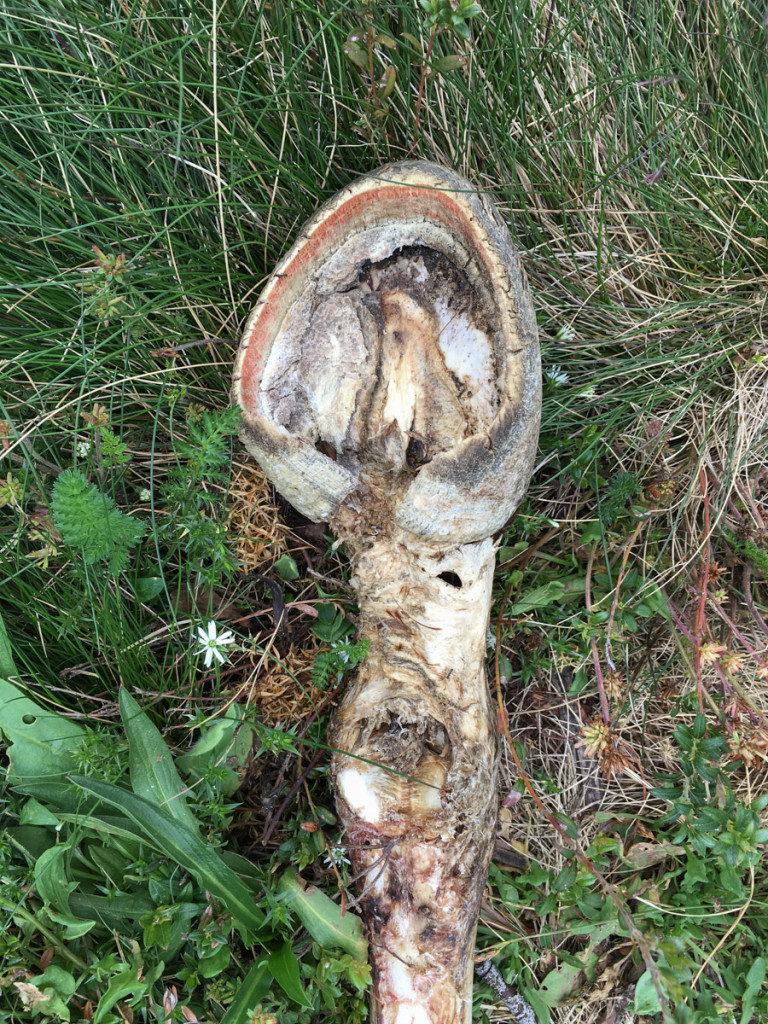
[[153, 773], [284, 967], [182, 845], [322, 917]]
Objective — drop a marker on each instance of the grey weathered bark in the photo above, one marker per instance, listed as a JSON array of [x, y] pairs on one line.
[[390, 384]]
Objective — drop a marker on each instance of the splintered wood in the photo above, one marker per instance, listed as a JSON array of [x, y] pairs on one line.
[[390, 384]]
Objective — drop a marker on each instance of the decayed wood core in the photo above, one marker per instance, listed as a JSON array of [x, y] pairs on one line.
[[395, 366]]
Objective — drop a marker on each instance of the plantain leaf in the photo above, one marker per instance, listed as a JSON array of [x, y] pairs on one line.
[[153, 773], [147, 587], [646, 996], [322, 917], [226, 742], [41, 744], [257, 983], [540, 597], [7, 666], [284, 968], [184, 846], [51, 878], [111, 911], [35, 813]]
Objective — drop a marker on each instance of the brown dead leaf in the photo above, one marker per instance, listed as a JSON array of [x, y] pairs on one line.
[[604, 985], [646, 855]]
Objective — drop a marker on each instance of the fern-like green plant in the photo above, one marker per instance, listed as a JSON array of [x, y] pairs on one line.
[[87, 519], [195, 489], [621, 487], [342, 657]]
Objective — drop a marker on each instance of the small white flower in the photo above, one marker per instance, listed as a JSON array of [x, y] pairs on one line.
[[211, 643], [82, 448], [145, 494], [339, 649], [490, 641], [336, 855], [556, 375], [566, 333]]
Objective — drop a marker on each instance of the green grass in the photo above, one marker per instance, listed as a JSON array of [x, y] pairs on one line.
[[627, 146]]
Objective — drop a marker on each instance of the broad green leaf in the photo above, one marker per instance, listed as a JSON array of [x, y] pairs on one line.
[[105, 824], [646, 996], [32, 839], [449, 63], [111, 911], [51, 878], [48, 993], [559, 984], [548, 593], [109, 861], [57, 792], [653, 596], [415, 43], [153, 773], [147, 587], [226, 741], [357, 54], [57, 978], [7, 666], [184, 846], [286, 568], [71, 927], [256, 985], [211, 966], [284, 968], [41, 744], [243, 868], [539, 1007], [755, 979], [126, 983], [322, 917], [34, 813]]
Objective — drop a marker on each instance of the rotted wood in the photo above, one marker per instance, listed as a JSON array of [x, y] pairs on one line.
[[390, 384]]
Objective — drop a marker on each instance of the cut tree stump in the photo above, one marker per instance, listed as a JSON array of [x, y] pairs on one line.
[[390, 385]]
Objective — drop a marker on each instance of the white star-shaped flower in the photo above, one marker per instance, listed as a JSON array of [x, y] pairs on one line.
[[211, 642], [556, 375]]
